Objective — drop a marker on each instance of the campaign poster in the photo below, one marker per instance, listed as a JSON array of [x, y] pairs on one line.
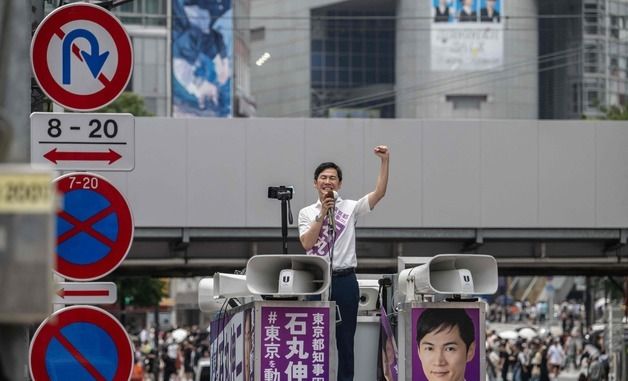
[[466, 35], [295, 343], [447, 342], [202, 58], [389, 348], [232, 337]]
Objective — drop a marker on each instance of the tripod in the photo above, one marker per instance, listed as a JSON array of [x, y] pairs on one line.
[[283, 194]]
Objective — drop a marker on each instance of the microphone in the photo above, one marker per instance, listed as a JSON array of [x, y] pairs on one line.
[[331, 212]]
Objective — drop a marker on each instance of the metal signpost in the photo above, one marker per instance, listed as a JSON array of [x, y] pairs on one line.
[[82, 59]]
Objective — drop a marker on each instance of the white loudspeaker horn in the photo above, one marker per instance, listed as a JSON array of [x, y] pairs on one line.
[[230, 285], [369, 292], [451, 274], [285, 275], [206, 300]]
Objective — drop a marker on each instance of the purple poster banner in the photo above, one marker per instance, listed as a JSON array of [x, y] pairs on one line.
[[295, 343], [389, 348], [446, 344], [231, 346]]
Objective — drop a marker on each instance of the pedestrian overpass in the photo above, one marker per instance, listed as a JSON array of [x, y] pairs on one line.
[[543, 197]]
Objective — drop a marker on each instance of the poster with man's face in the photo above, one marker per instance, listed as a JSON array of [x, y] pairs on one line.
[[466, 35], [448, 342]]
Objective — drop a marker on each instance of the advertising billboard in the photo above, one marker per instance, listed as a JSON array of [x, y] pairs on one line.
[[202, 58], [466, 35]]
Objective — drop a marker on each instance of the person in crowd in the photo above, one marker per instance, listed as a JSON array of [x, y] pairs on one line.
[[555, 357], [596, 369]]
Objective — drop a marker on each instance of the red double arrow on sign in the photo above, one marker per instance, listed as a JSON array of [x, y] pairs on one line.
[[54, 156]]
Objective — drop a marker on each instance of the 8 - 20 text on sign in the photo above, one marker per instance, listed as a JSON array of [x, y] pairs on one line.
[[102, 142]]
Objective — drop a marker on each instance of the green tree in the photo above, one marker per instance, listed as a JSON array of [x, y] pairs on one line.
[[127, 102], [616, 112], [140, 291]]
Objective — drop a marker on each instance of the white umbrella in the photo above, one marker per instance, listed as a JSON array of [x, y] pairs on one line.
[[179, 334], [601, 302], [527, 333], [508, 335]]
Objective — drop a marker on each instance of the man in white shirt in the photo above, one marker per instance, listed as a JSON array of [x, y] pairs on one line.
[[555, 357], [317, 238]]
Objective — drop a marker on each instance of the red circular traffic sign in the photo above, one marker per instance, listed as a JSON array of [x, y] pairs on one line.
[[80, 342], [94, 228], [81, 56]]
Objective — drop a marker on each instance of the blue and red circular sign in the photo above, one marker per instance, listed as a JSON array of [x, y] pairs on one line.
[[94, 228], [81, 343], [81, 56]]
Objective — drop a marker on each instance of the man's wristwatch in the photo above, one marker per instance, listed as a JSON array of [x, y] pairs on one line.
[[318, 218]]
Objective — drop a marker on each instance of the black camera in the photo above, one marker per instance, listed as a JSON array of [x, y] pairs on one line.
[[281, 192]]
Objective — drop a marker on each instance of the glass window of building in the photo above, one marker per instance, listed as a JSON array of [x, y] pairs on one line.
[[352, 57], [143, 12]]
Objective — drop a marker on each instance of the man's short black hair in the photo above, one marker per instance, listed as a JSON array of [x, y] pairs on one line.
[[326, 165], [439, 319]]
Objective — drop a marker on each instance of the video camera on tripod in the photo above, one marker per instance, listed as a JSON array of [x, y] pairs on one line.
[[281, 192], [284, 194]]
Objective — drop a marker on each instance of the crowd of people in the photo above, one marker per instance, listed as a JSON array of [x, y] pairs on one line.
[[176, 357], [543, 355]]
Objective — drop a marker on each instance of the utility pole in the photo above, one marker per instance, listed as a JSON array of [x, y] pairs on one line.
[[16, 20]]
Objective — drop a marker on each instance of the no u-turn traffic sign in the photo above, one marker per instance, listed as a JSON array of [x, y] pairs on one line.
[[81, 56]]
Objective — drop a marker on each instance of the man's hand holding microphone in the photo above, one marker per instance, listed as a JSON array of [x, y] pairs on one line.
[[328, 207]]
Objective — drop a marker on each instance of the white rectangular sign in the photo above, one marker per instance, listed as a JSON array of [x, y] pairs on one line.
[[85, 141], [85, 293], [467, 47]]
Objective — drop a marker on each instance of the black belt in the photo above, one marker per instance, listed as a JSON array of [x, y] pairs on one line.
[[342, 272]]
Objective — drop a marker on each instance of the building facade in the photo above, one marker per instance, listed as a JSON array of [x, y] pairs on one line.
[[561, 59], [395, 59], [590, 44]]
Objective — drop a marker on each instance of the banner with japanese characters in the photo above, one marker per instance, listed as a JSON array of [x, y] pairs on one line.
[[232, 336], [466, 35], [295, 343]]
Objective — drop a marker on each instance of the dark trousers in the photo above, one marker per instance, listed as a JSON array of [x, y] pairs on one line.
[[346, 293]]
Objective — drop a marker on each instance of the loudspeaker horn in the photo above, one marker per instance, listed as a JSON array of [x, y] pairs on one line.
[[451, 274], [285, 275]]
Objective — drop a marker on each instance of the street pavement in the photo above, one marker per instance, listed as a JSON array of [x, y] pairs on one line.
[[568, 375]]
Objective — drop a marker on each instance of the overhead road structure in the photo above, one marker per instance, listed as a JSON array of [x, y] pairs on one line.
[[202, 251]]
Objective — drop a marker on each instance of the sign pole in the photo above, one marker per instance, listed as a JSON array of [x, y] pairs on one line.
[[57, 279], [82, 59]]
